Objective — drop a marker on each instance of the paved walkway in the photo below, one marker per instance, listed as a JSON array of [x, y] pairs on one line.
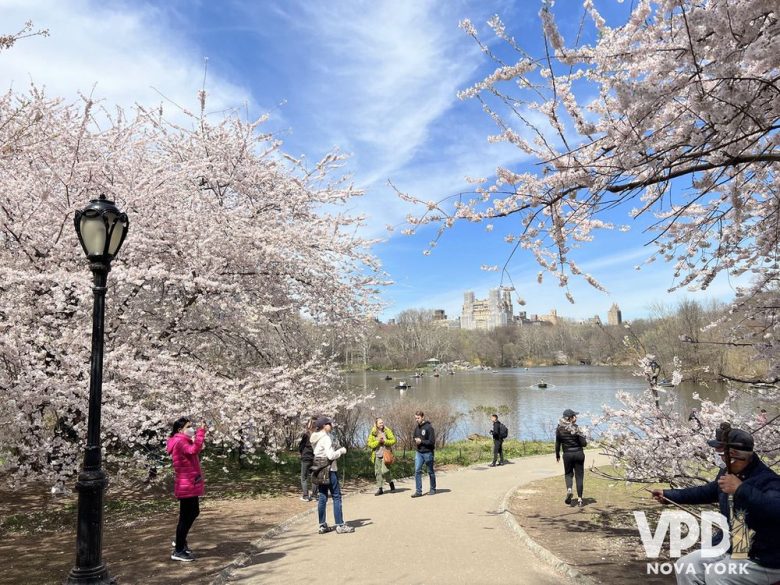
[[458, 536]]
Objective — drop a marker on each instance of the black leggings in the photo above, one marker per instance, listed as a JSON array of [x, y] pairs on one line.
[[189, 509], [574, 465]]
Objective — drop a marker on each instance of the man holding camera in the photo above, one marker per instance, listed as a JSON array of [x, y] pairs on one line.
[[748, 494]]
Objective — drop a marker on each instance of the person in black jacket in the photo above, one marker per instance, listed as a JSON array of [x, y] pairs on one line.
[[754, 518], [307, 458], [569, 437], [425, 442], [499, 434]]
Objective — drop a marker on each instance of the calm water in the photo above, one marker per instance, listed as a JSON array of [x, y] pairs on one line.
[[533, 411]]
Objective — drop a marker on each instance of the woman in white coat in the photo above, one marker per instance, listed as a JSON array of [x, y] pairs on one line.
[[323, 449]]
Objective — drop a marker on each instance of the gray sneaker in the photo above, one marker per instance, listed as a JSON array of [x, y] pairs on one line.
[[344, 529], [182, 556], [432, 492], [324, 529]]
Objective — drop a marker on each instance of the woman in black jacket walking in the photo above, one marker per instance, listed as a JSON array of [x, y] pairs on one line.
[[569, 437]]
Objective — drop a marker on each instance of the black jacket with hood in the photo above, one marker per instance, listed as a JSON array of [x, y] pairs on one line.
[[428, 438], [569, 437]]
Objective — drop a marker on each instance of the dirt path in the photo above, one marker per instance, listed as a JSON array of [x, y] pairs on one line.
[[137, 551], [458, 536]]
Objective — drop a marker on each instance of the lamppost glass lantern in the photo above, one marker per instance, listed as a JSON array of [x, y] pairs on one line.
[[101, 229]]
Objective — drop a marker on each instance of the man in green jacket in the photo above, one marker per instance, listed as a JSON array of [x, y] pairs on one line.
[[380, 438]]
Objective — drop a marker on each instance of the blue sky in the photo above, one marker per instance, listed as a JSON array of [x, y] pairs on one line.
[[376, 79]]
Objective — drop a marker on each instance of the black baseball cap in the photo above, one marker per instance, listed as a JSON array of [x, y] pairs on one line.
[[322, 421], [568, 413], [735, 438]]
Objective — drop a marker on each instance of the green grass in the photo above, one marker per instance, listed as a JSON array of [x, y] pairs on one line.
[[266, 477]]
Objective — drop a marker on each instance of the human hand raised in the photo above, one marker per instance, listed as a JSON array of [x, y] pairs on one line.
[[729, 483]]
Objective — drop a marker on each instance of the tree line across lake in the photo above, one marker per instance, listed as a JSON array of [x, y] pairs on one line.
[[679, 331]]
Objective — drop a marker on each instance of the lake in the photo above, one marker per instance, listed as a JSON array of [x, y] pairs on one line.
[[531, 412]]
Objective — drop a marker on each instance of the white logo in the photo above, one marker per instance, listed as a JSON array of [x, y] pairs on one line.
[[672, 522]]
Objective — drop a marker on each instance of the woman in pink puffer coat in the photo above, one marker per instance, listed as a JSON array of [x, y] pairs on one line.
[[184, 445]]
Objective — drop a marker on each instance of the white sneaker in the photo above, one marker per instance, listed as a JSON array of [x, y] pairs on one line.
[[344, 529]]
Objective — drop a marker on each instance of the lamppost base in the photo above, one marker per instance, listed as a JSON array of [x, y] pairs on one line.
[[92, 576]]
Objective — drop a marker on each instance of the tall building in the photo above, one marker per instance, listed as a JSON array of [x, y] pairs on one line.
[[487, 314], [614, 317], [551, 318]]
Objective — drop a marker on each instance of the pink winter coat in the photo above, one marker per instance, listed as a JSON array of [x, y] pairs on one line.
[[186, 465]]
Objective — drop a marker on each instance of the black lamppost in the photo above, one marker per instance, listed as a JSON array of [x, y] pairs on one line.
[[101, 228]]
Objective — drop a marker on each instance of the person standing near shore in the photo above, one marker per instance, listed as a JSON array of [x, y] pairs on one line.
[[307, 458], [569, 437], [499, 432], [323, 449], [381, 438], [425, 443], [184, 444]]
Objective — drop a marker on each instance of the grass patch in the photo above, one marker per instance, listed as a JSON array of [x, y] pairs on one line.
[[39, 521], [267, 477]]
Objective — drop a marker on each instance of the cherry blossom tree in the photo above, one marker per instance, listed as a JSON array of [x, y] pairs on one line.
[[665, 443], [684, 94], [671, 117], [236, 252]]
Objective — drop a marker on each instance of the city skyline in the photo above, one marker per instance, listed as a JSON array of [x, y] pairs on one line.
[[377, 82], [496, 310]]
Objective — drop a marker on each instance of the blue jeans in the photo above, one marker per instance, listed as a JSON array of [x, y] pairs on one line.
[[322, 500], [419, 460]]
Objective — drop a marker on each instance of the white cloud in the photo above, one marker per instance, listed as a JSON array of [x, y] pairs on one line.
[[393, 69], [128, 53]]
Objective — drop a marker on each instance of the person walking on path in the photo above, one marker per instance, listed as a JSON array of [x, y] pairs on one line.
[[184, 444], [381, 438], [425, 443], [569, 437], [499, 432], [323, 450], [307, 458], [748, 494]]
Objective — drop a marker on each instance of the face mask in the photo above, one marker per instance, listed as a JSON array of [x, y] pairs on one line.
[[719, 461], [189, 431]]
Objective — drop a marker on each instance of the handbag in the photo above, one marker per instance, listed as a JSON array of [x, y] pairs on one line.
[[388, 456], [320, 471]]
